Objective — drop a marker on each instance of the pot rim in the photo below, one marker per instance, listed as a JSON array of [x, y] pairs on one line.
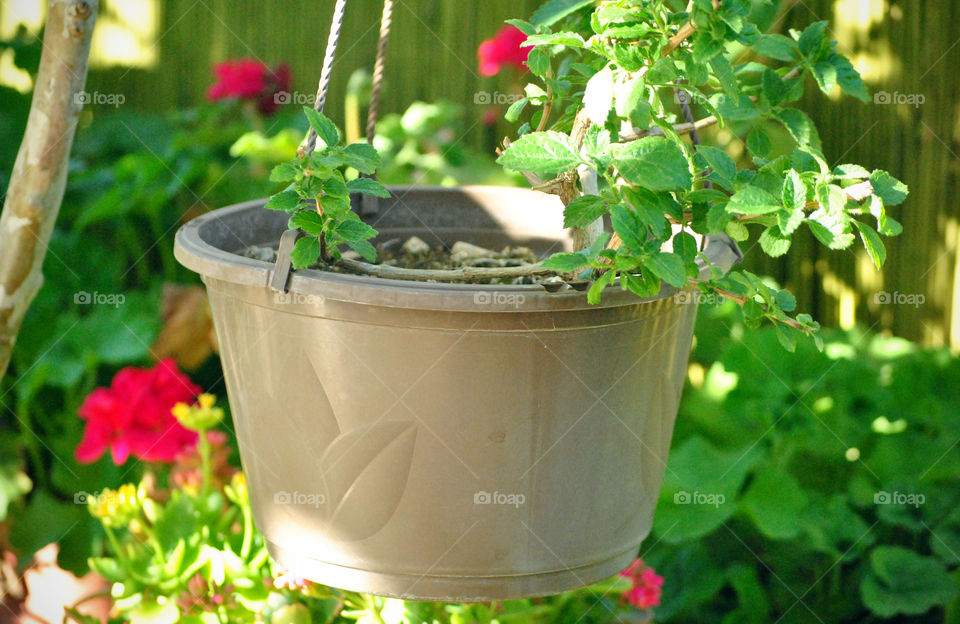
[[210, 261]]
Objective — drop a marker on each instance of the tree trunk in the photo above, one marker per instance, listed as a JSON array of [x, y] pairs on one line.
[[40, 173]]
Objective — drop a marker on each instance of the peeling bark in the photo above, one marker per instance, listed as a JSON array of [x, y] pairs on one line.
[[40, 172]]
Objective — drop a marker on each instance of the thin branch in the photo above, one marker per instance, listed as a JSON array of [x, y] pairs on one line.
[[681, 128], [741, 300], [444, 275]]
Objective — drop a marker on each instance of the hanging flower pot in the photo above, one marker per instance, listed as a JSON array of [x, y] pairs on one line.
[[409, 433], [442, 441]]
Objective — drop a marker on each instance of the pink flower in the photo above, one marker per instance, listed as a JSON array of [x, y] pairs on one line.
[[133, 417], [647, 584], [246, 79], [503, 49]]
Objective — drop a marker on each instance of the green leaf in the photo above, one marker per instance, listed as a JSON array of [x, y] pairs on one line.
[[538, 62], [555, 10], [541, 152], [308, 221], [775, 501], [284, 172], [776, 47], [794, 193], [813, 40], [368, 186], [826, 76], [305, 252], [668, 267], [655, 163], [353, 230], [700, 488], [758, 143], [891, 190], [325, 129], [583, 211], [513, 112], [596, 289], [903, 582], [753, 200], [108, 568], [361, 156], [718, 160], [287, 201], [568, 39], [627, 225], [799, 125], [685, 246], [773, 242], [565, 262], [364, 248], [723, 70], [849, 78], [872, 243], [774, 88], [336, 187]]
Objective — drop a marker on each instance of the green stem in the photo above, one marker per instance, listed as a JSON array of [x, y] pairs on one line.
[[247, 531], [203, 446]]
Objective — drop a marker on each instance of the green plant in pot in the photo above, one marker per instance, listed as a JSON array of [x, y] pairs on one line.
[[529, 405]]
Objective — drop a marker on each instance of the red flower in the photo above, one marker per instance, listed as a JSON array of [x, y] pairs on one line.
[[647, 584], [133, 417], [503, 49], [250, 80]]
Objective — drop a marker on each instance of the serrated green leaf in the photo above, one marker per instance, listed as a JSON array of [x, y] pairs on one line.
[[628, 226], [352, 230], [538, 62], [596, 289], [718, 160], [305, 252], [813, 40], [368, 186], [872, 243], [541, 152], [758, 143], [325, 129], [753, 200], [826, 76], [774, 88], [685, 246], [777, 47], [361, 156], [565, 262], [655, 163], [799, 125], [773, 242], [668, 267], [849, 78], [891, 190], [284, 172], [287, 201], [364, 248], [583, 211], [308, 221]]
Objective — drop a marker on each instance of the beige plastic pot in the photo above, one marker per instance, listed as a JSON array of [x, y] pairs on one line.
[[440, 441]]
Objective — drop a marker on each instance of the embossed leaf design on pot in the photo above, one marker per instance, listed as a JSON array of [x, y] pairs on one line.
[[365, 471]]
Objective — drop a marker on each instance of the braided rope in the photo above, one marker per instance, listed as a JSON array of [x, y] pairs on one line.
[[379, 68], [311, 142]]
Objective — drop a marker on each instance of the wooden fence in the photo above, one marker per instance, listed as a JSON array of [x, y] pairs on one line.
[[911, 51]]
